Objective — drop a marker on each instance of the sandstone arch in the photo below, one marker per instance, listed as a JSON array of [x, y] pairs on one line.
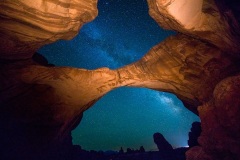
[[199, 65]]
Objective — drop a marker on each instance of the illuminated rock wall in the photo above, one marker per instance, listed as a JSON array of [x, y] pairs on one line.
[[27, 25]]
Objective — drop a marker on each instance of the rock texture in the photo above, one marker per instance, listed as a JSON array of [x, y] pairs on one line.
[[40, 104], [181, 65], [220, 124], [220, 121], [200, 19], [43, 104], [26, 25], [217, 25]]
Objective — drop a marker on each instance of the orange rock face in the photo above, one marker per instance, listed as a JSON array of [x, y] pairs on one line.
[[181, 65], [40, 105], [27, 25], [200, 19]]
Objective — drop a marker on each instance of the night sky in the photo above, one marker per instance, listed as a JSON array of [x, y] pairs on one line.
[[126, 117]]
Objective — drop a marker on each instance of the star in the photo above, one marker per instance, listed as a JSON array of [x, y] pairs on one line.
[[126, 117]]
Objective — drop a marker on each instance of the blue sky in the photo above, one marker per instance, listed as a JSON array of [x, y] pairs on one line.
[[126, 117]]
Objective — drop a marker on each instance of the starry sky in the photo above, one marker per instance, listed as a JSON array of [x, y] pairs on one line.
[[126, 117]]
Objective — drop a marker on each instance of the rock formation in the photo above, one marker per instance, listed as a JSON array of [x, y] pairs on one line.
[[27, 25], [162, 144], [181, 65], [199, 19], [40, 105], [194, 134]]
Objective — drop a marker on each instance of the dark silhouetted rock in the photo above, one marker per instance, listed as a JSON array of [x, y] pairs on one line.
[[129, 151], [121, 151], [141, 150], [41, 60], [194, 134], [162, 143]]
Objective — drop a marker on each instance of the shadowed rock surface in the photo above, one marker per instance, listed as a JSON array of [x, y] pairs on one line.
[[194, 134], [162, 144], [40, 105]]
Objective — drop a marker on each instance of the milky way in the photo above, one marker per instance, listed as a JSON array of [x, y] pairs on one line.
[[126, 117]]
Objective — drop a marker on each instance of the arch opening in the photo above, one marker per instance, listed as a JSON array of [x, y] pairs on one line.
[[121, 34], [128, 118]]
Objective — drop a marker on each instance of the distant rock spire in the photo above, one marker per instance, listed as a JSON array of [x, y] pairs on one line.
[[121, 151], [194, 134], [161, 142]]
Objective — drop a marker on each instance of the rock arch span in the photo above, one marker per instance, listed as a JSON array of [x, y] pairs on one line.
[[43, 104]]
